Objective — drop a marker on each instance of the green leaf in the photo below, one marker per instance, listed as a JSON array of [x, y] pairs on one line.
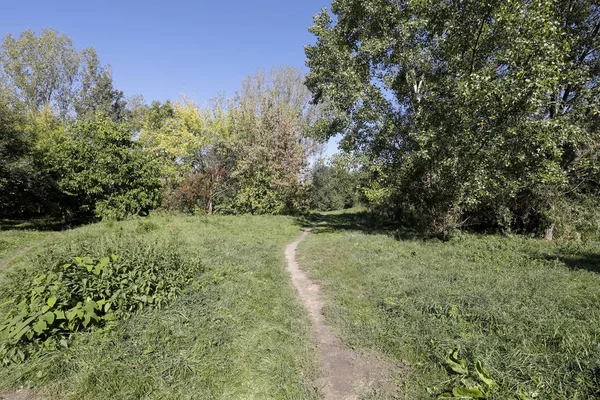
[[90, 306], [48, 317], [464, 393], [40, 326], [21, 328], [457, 365], [148, 351], [483, 375], [51, 301]]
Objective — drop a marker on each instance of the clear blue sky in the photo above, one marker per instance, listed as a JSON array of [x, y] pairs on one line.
[[162, 49]]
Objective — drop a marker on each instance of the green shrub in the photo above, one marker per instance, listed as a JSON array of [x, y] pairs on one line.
[[89, 292], [332, 188]]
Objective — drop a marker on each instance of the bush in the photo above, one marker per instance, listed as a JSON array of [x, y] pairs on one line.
[[332, 188], [90, 292], [198, 191], [101, 169]]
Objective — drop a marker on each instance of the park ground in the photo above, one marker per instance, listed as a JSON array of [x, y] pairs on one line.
[[507, 317]]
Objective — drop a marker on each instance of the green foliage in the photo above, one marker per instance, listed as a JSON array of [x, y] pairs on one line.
[[474, 383], [89, 292], [47, 70], [245, 155], [463, 121], [238, 331], [270, 118], [102, 170], [47, 89], [71, 145], [42, 69], [332, 188], [25, 189]]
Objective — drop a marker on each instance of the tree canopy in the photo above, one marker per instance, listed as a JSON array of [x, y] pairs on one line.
[[470, 112], [71, 145]]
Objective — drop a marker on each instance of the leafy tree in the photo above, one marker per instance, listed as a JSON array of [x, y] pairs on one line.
[[102, 170], [47, 70], [270, 119], [97, 93], [200, 191], [469, 112], [175, 134], [42, 69], [25, 190], [333, 186]]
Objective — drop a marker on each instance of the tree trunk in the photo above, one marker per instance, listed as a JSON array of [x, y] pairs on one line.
[[210, 206], [549, 235]]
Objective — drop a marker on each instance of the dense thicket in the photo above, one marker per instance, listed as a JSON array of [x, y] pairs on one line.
[[334, 185], [482, 113], [71, 146], [243, 155]]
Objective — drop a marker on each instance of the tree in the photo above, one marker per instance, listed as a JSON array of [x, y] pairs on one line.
[[96, 92], [49, 71], [333, 185], [103, 171], [174, 133], [469, 112], [42, 69], [24, 188], [270, 119]]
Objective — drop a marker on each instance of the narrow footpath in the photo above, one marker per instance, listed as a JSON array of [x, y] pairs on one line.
[[346, 374]]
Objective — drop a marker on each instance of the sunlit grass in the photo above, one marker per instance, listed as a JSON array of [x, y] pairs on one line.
[[238, 332], [527, 309]]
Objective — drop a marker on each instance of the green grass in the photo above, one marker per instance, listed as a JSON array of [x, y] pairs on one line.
[[13, 241], [527, 309], [239, 331]]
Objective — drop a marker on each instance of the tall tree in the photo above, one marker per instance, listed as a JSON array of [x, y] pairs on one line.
[[96, 92], [43, 69], [21, 183], [271, 117], [478, 111], [47, 70]]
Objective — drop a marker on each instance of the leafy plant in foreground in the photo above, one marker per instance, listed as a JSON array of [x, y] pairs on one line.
[[474, 383], [88, 292]]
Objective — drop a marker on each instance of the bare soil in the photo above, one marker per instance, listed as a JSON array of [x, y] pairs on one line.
[[21, 394]]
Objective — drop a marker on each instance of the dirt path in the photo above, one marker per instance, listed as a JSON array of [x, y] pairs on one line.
[[21, 394], [346, 374]]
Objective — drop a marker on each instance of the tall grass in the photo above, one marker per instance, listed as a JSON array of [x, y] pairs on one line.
[[528, 310], [237, 332]]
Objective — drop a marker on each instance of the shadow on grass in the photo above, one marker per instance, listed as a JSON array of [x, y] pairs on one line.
[[579, 261], [361, 221], [43, 224]]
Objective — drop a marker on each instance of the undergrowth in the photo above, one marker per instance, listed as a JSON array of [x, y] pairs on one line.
[[90, 292]]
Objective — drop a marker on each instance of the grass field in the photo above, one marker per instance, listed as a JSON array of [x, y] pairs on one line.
[[238, 331], [525, 310], [528, 310]]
